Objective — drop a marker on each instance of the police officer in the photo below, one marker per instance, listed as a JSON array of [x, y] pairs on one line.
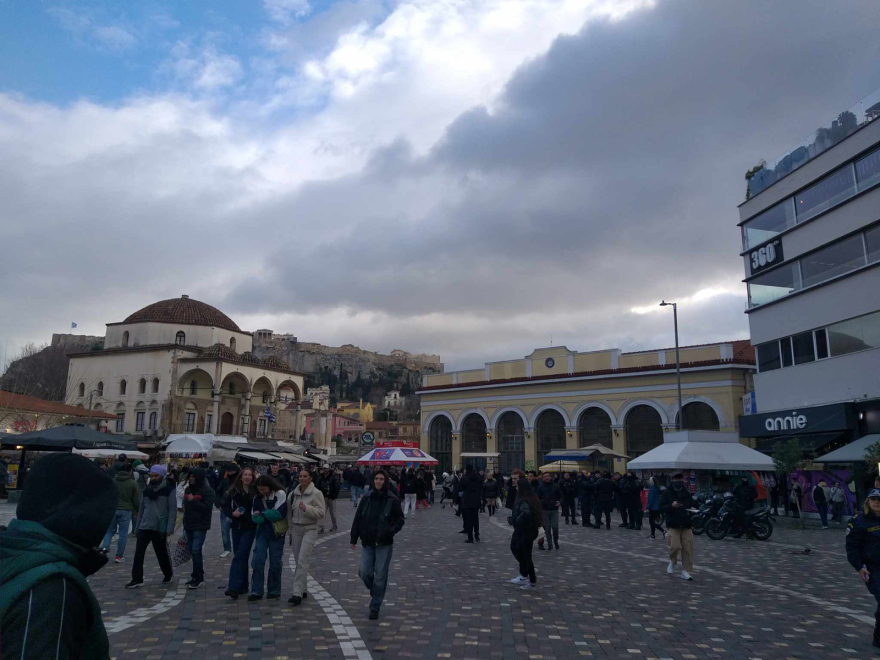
[[863, 551], [585, 492], [745, 495]]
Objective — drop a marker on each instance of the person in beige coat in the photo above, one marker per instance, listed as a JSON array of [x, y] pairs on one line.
[[305, 506]]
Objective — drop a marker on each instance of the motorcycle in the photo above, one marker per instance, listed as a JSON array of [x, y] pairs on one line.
[[709, 509], [756, 522]]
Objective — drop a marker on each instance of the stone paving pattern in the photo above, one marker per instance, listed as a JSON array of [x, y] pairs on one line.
[[605, 594]]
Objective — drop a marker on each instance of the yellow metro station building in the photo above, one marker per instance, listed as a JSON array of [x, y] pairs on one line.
[[510, 414]]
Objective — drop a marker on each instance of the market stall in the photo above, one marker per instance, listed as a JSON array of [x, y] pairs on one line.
[[111, 453], [710, 460], [398, 456], [594, 457], [566, 466]]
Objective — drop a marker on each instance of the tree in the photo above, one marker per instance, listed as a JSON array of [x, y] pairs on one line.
[[752, 172], [789, 458]]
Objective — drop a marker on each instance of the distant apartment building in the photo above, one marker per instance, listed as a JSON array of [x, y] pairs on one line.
[[811, 251]]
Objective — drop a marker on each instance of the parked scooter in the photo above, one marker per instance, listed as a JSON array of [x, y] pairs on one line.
[[756, 522], [709, 509]]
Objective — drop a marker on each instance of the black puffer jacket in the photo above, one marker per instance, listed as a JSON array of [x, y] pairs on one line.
[[379, 517], [549, 494], [525, 527], [197, 509], [233, 500], [677, 517], [569, 489], [471, 487], [604, 490], [490, 489]]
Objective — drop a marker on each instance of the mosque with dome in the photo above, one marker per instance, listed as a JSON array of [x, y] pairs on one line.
[[183, 366]]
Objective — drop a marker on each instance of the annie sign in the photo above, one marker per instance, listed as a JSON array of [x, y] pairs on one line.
[[814, 419]]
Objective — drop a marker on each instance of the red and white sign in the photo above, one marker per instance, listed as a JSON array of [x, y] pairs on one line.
[[398, 443]]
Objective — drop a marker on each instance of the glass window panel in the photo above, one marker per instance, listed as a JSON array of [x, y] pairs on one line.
[[846, 337], [831, 190], [774, 284], [872, 239], [871, 330], [768, 356], [834, 260], [786, 351], [868, 170], [803, 348], [821, 344], [767, 225]]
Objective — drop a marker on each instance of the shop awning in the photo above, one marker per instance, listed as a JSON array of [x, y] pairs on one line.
[[257, 456], [106, 453], [475, 454], [702, 450], [854, 452], [582, 454], [59, 438], [808, 441]]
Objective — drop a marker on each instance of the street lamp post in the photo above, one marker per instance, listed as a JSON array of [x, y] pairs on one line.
[[678, 419]]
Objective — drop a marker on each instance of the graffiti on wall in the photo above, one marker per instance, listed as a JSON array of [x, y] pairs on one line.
[[809, 479]]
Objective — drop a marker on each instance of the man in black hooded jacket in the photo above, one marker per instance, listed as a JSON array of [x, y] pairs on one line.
[[198, 505], [47, 609], [471, 487], [379, 517]]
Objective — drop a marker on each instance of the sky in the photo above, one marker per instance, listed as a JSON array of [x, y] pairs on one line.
[[469, 178]]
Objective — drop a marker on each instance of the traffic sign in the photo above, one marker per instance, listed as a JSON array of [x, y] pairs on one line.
[[367, 438]]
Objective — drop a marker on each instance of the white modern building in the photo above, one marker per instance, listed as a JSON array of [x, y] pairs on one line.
[[183, 366], [811, 250]]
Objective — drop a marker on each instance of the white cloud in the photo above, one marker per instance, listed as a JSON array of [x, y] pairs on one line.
[[83, 26], [206, 69], [284, 11]]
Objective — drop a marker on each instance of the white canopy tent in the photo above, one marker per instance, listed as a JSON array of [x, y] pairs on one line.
[[854, 452], [702, 450], [104, 453]]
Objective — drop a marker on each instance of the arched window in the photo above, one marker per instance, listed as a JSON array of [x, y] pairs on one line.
[[594, 428], [232, 343], [473, 440], [125, 338], [265, 397], [120, 418], [699, 416], [100, 388], [155, 385], [231, 387], [190, 416], [180, 339], [441, 443], [550, 430], [142, 386], [82, 389], [122, 386], [153, 421], [644, 430], [193, 388], [511, 442]]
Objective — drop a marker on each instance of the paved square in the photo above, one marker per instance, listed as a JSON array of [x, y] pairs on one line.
[[605, 594]]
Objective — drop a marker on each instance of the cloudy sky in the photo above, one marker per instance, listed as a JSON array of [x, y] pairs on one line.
[[464, 177]]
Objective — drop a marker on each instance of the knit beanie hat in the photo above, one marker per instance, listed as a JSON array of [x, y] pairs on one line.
[[71, 497], [158, 469], [135, 463]]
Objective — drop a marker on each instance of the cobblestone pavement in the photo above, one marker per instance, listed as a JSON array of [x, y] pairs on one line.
[[605, 594]]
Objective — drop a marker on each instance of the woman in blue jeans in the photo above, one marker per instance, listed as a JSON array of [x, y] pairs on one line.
[[270, 506], [236, 504]]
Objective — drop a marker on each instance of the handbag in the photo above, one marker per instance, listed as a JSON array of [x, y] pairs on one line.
[[280, 527], [181, 554]]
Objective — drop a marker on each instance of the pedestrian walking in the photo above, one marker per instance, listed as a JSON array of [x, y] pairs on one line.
[[223, 484], [238, 503], [198, 504], [550, 496], [378, 518], [269, 513], [512, 494], [838, 501], [820, 499], [305, 506], [421, 490], [585, 495], [603, 497], [654, 495], [795, 493], [408, 489], [675, 502], [49, 549], [356, 481], [328, 484], [471, 488], [526, 518], [491, 490], [447, 489], [156, 518], [569, 488], [631, 496], [430, 484], [129, 502], [863, 551]]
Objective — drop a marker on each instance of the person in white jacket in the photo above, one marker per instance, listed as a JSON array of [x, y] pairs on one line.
[[305, 507]]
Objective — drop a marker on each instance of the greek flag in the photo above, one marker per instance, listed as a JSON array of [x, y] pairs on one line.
[[72, 325], [268, 414]]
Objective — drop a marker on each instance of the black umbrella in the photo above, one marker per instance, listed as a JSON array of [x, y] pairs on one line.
[[60, 438]]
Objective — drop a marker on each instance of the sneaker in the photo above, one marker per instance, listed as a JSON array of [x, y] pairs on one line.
[[105, 550], [253, 597], [528, 586], [119, 560], [321, 529], [671, 568], [195, 584], [519, 579], [374, 614], [686, 576], [333, 529], [186, 584], [225, 554], [826, 527], [294, 600], [167, 579], [232, 594], [134, 585]]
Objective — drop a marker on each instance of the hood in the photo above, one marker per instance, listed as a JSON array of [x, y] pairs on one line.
[[79, 505], [123, 476], [199, 474], [34, 546]]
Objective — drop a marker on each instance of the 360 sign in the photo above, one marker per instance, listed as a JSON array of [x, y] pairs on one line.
[[766, 256]]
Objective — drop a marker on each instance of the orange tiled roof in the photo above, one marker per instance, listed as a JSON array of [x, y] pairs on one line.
[[13, 401]]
